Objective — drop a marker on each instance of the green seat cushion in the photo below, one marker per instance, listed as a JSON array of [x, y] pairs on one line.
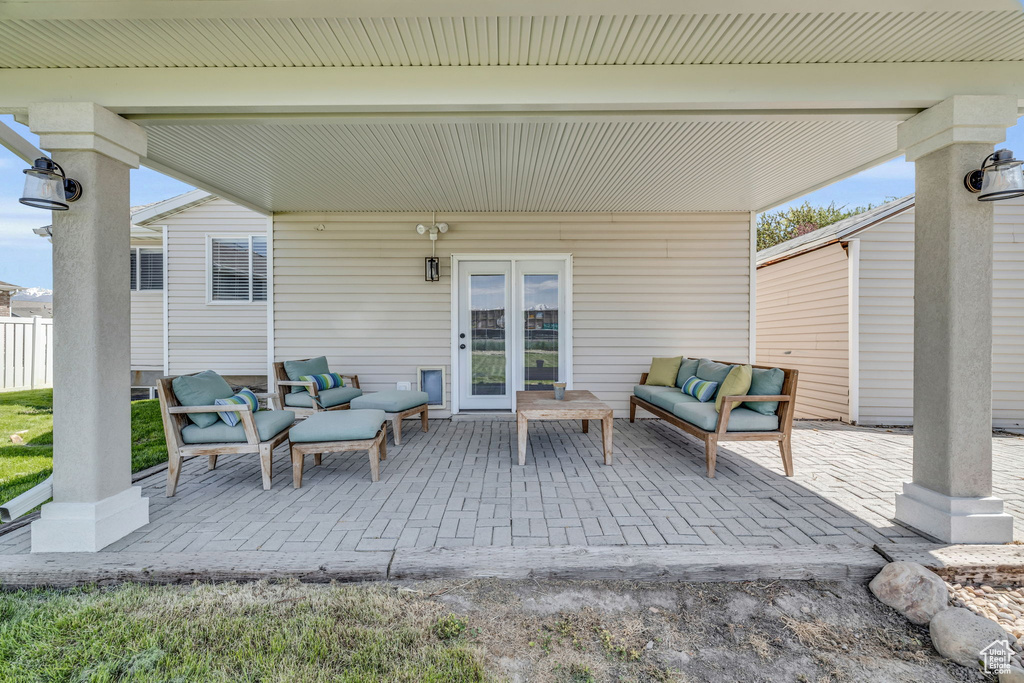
[[765, 383], [712, 371], [339, 425], [201, 389], [297, 368], [670, 399], [269, 423], [705, 416], [736, 383], [663, 371], [646, 391], [687, 369], [393, 401], [328, 397]]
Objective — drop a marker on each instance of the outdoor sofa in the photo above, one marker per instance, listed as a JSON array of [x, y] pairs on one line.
[[772, 393]]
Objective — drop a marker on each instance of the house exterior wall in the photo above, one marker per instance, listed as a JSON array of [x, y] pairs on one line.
[[230, 338], [886, 319], [643, 286], [802, 323], [5, 304], [147, 322]]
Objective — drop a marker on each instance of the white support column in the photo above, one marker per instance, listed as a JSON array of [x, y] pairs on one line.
[[94, 503], [951, 495]]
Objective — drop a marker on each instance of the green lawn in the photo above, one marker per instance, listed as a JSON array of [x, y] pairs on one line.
[[213, 633], [29, 414]]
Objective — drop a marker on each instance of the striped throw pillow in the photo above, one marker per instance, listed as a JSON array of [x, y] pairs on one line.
[[243, 397], [700, 389], [330, 380]]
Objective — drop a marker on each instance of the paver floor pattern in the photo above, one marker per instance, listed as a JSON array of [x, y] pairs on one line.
[[457, 486]]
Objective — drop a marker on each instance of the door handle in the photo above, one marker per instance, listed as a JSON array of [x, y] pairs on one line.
[[462, 346], [462, 336]]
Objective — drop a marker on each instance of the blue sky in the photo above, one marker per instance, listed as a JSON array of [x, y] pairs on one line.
[[25, 257]]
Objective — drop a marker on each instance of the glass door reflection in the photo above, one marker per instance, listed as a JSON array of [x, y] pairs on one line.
[[487, 297], [540, 331]]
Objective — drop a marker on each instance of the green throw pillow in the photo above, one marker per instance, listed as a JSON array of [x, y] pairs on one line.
[[201, 389], [687, 369], [663, 371], [736, 383], [765, 383]]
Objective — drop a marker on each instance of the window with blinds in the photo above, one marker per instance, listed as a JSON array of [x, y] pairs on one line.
[[147, 269], [238, 268]]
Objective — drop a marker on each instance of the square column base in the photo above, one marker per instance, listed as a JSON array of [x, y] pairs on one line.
[[953, 519], [89, 527]]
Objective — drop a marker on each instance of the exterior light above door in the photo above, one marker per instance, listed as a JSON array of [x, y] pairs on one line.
[[1000, 177], [47, 187], [431, 264]]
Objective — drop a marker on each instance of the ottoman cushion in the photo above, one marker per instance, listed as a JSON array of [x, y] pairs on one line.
[[340, 425], [390, 401], [328, 397]]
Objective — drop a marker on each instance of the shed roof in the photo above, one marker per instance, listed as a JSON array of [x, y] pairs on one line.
[[836, 232], [8, 287]]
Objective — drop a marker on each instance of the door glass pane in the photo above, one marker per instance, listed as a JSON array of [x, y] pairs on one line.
[[540, 331], [487, 334]]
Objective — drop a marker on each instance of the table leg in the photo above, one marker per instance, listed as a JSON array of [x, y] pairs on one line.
[[606, 439], [521, 429], [586, 426]]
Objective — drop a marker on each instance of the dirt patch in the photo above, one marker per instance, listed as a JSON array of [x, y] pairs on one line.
[[572, 631]]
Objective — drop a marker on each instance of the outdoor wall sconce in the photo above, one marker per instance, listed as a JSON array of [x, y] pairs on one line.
[[432, 264], [47, 187], [1000, 177]]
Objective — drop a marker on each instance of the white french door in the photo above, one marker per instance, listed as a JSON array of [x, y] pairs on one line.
[[512, 328]]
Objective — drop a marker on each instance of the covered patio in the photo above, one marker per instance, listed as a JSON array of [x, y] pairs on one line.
[[625, 158]]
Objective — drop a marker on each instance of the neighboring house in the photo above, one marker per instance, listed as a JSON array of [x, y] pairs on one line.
[[7, 290], [838, 303], [191, 305]]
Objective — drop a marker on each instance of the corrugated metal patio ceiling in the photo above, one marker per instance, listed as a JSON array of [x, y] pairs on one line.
[[575, 164], [697, 38]]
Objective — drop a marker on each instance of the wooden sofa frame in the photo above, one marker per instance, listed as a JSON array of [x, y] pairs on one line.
[[284, 385], [783, 435], [175, 418]]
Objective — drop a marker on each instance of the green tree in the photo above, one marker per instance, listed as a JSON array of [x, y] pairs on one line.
[[785, 224]]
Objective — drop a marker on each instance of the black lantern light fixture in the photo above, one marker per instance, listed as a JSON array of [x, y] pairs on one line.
[[432, 264], [47, 186], [1000, 177]]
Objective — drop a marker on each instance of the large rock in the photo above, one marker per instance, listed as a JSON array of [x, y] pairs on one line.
[[911, 590], [960, 634], [1014, 675]]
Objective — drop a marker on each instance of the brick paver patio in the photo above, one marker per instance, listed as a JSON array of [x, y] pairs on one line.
[[457, 486]]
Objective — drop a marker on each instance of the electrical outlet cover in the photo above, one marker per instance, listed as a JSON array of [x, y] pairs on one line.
[[405, 386]]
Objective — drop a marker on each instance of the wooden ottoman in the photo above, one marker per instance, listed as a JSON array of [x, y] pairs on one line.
[[336, 432], [397, 405]]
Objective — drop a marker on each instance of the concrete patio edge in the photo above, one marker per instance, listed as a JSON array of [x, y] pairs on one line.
[[826, 563]]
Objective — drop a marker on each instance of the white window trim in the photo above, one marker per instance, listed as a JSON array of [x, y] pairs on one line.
[[210, 301], [137, 289]]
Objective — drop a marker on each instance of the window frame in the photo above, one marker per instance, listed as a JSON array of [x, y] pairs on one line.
[[137, 251], [248, 236]]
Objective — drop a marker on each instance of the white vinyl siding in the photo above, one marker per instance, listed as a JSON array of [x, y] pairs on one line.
[[886, 319], [147, 315], [229, 337], [643, 285], [802, 323]]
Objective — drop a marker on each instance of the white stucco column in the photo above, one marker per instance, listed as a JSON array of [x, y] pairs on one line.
[[951, 494], [94, 503]]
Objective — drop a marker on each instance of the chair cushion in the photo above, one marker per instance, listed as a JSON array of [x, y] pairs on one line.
[[736, 383], [328, 397], [269, 423], [765, 383], [701, 389], [705, 416], [245, 397], [712, 371], [646, 391], [297, 368], [663, 371], [201, 389], [670, 399], [340, 425], [687, 369], [390, 401]]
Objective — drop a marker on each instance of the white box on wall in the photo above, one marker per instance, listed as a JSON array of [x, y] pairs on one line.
[[404, 386]]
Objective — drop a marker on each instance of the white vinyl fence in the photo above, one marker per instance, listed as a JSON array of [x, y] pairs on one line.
[[26, 353]]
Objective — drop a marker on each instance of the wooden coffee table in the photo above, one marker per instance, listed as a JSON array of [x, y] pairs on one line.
[[577, 405]]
